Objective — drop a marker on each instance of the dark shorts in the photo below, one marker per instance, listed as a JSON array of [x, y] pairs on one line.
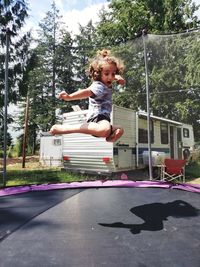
[[99, 117]]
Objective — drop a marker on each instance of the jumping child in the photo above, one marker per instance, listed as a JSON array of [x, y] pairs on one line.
[[104, 70]]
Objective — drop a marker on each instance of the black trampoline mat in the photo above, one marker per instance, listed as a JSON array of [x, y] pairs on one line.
[[101, 227]]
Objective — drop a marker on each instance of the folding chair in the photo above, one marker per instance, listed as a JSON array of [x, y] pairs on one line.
[[174, 169]]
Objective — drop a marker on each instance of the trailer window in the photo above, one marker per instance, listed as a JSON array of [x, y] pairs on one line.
[[186, 133], [57, 142], [143, 134], [164, 133], [179, 139]]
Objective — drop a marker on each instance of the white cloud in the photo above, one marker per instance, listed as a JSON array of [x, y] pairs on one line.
[[75, 17], [72, 18], [59, 4]]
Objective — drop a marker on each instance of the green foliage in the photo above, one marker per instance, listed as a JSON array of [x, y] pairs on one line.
[[17, 148], [9, 137], [13, 13], [59, 61], [66, 66], [125, 18], [173, 61], [133, 94], [173, 76], [18, 176], [122, 21], [52, 72], [41, 176], [174, 80], [86, 47], [193, 170], [12, 17]]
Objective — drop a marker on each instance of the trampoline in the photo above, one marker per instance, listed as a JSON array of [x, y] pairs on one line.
[[112, 223]]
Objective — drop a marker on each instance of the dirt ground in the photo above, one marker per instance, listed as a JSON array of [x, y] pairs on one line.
[[11, 161]]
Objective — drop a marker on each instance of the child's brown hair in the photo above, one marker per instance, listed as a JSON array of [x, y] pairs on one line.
[[102, 57]]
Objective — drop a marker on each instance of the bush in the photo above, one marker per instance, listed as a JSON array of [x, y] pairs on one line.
[[195, 157], [193, 170]]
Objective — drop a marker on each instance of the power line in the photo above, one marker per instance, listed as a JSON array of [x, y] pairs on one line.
[[175, 91], [172, 91]]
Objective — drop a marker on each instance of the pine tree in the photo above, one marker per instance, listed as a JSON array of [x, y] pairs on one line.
[[12, 17]]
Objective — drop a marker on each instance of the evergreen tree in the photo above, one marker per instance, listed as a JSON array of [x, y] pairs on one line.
[[87, 44], [65, 62], [49, 70], [48, 36], [12, 17]]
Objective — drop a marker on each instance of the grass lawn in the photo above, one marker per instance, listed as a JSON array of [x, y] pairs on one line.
[[193, 173], [34, 173]]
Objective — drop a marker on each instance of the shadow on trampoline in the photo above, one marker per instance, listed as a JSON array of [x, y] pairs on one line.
[[154, 214]]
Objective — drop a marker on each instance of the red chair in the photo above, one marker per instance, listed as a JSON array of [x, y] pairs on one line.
[[174, 169]]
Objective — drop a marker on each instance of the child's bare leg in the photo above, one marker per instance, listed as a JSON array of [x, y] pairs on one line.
[[100, 129], [117, 132]]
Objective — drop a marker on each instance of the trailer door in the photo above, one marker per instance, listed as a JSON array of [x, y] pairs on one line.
[[179, 142]]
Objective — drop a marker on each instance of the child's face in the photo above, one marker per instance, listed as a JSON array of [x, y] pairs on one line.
[[108, 73]]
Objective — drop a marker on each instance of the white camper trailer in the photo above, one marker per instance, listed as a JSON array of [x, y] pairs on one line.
[[171, 139], [85, 153]]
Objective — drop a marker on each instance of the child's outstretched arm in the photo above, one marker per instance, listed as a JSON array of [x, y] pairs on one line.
[[81, 94]]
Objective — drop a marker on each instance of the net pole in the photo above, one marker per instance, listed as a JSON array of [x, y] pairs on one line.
[[144, 36], [6, 107], [25, 132]]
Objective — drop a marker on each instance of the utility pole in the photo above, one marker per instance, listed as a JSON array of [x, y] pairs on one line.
[[144, 36], [25, 132], [8, 32]]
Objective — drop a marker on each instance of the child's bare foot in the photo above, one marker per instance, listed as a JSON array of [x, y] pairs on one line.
[[56, 129], [115, 135]]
